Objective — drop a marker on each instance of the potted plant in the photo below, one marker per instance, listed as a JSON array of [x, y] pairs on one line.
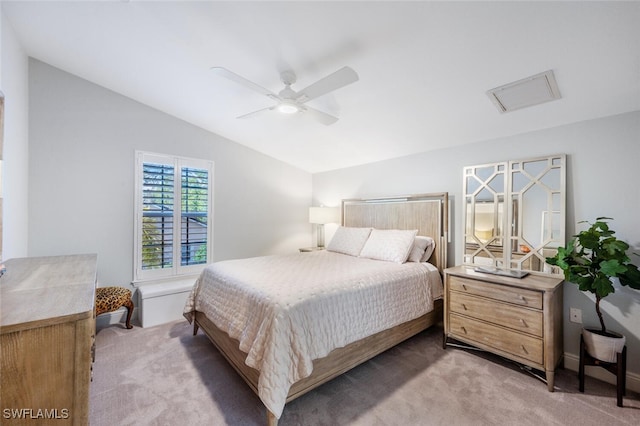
[[591, 259]]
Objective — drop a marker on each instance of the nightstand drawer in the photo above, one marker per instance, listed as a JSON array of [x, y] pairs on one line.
[[518, 296], [512, 342], [511, 316]]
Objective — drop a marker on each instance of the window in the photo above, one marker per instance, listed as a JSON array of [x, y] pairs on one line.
[[173, 232]]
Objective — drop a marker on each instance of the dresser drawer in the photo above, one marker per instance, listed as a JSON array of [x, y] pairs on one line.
[[518, 296], [512, 342], [511, 316]]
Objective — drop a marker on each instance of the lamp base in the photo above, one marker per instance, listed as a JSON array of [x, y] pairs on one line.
[[320, 235]]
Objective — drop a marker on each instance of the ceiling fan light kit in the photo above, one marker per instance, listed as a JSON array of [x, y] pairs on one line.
[[288, 100], [287, 107]]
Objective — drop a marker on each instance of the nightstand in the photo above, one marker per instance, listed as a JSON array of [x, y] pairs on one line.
[[518, 319], [310, 249]]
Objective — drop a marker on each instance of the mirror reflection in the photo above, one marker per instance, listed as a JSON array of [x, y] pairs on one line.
[[485, 214], [521, 233]]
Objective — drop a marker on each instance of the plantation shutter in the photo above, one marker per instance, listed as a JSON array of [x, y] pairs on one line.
[[157, 215], [173, 215], [194, 216]]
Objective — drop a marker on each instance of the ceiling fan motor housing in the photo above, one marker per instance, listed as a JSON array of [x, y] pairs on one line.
[[288, 77]]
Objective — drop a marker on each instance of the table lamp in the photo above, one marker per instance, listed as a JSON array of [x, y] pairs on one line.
[[322, 215]]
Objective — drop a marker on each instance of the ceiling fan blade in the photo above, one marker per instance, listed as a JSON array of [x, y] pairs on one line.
[[251, 114], [338, 79], [322, 117], [223, 72]]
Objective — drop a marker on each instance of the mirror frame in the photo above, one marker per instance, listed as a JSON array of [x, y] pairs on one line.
[[510, 249]]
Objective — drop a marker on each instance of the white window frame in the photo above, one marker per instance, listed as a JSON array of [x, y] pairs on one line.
[[176, 270]]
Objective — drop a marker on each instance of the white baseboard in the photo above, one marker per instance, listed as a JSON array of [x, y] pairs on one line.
[[572, 362], [119, 316]]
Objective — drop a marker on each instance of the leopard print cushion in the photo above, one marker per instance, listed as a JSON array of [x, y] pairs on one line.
[[109, 299]]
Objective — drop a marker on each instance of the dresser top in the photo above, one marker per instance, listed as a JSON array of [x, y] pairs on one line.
[[39, 291], [531, 281]]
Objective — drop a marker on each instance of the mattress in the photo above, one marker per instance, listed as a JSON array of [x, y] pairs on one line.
[[288, 310]]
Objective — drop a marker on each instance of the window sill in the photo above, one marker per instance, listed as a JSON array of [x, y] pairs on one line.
[[178, 279]]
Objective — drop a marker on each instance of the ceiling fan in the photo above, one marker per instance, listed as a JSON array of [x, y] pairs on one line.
[[288, 101]]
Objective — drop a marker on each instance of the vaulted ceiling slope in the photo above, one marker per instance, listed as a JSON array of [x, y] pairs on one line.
[[424, 67]]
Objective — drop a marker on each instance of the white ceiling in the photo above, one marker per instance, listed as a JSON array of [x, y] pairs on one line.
[[424, 67]]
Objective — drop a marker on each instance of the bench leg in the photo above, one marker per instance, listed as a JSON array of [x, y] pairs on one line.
[[129, 306]]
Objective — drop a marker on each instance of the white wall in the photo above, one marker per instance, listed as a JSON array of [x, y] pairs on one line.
[[602, 180], [81, 187], [14, 85]]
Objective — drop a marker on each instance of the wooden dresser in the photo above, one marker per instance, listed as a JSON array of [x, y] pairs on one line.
[[47, 329], [519, 319]]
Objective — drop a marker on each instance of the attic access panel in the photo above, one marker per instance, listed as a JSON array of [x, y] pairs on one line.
[[530, 91]]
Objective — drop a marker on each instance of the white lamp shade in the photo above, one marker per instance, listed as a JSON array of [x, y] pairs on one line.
[[322, 215]]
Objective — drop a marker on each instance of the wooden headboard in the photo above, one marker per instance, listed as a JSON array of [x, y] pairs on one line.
[[428, 213]]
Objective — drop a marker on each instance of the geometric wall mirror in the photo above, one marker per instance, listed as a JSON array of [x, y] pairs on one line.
[[515, 213]]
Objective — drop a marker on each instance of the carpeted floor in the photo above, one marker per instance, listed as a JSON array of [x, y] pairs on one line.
[[165, 376]]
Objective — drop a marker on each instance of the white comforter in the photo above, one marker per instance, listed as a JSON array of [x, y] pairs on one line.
[[288, 310]]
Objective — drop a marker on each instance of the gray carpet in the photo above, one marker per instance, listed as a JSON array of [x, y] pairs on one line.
[[165, 376]]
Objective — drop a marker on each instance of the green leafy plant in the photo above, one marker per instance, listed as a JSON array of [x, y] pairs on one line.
[[594, 256]]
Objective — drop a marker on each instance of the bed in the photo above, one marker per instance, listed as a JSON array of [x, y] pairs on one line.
[[288, 323]]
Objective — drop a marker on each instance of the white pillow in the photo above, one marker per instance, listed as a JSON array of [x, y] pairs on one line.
[[348, 240], [392, 245], [420, 247]]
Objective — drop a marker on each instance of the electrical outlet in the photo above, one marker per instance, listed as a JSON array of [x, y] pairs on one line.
[[575, 315]]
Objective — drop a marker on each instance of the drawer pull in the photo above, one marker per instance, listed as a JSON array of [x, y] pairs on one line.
[[464, 287], [523, 322], [464, 330], [464, 306], [524, 349]]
